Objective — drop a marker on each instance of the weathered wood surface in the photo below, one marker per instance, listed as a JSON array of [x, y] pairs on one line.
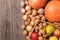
[[10, 20]]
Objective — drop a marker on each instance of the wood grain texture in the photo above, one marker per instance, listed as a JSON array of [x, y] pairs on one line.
[[10, 20]]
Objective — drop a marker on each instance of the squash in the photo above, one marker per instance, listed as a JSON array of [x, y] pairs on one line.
[[52, 11], [36, 4]]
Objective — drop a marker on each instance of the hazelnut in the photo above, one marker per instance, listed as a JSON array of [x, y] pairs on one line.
[[29, 34], [25, 17], [43, 18], [22, 10], [23, 26], [26, 2], [29, 20], [40, 38], [25, 32], [22, 3], [45, 39], [36, 28], [56, 26], [33, 18], [40, 25], [32, 23], [44, 35], [27, 38], [39, 33], [44, 24], [28, 12], [26, 22], [27, 8], [37, 17], [59, 28], [36, 21], [42, 31], [34, 12], [30, 16], [29, 28]]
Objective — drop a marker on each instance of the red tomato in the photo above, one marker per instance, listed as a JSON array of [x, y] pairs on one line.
[[52, 11], [36, 4]]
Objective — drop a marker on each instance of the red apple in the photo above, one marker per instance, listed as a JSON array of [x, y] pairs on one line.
[[34, 36]]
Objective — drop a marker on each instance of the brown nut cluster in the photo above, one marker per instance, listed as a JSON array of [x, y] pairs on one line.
[[35, 21]]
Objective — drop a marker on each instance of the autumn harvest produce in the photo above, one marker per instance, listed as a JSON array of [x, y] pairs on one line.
[[55, 0], [52, 11], [36, 4], [41, 19]]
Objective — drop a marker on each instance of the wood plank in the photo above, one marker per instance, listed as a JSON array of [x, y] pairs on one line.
[[17, 31], [5, 20], [2, 19], [10, 22]]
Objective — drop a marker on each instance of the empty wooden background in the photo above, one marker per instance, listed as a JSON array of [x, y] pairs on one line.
[[10, 20]]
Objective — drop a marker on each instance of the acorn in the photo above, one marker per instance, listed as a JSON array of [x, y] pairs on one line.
[[29, 28], [25, 17], [27, 8], [25, 32]]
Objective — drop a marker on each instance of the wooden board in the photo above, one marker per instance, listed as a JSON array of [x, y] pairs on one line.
[[10, 20]]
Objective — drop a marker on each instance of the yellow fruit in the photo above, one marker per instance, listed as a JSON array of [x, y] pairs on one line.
[[49, 29]]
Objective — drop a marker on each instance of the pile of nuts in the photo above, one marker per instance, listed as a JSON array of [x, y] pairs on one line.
[[35, 23]]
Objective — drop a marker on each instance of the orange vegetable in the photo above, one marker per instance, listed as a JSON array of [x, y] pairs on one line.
[[57, 32], [55, 0], [52, 11], [36, 4]]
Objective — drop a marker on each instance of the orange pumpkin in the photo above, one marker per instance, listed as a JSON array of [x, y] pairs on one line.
[[36, 4], [52, 11], [55, 0]]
